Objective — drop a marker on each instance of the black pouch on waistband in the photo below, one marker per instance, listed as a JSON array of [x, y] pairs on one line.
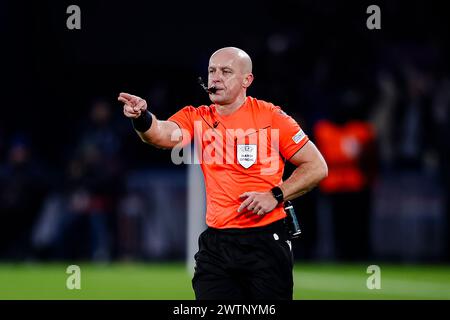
[[291, 222]]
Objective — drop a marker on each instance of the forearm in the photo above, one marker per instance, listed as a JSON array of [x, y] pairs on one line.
[[149, 132], [159, 134], [304, 178]]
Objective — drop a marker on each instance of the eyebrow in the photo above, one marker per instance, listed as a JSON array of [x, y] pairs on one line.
[[222, 68]]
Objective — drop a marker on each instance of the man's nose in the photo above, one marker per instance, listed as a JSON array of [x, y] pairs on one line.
[[215, 77]]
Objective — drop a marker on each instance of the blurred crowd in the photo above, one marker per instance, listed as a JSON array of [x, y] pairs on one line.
[[378, 110], [396, 127], [73, 212]]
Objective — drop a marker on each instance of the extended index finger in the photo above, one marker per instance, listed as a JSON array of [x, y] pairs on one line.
[[126, 95], [122, 99], [132, 99]]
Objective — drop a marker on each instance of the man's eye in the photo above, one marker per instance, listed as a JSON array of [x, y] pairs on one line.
[[211, 71]]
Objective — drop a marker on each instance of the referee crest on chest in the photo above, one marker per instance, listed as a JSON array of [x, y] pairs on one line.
[[246, 154]]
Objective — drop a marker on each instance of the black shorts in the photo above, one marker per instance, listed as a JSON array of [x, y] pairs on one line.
[[251, 263]]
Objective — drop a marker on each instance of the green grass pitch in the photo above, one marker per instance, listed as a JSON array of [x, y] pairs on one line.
[[171, 281]]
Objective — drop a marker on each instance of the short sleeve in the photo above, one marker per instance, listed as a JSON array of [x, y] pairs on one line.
[[184, 118], [291, 136]]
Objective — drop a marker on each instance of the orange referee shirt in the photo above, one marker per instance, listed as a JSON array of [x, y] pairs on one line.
[[241, 152], [343, 147]]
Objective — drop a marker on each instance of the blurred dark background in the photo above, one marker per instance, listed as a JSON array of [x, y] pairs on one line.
[[77, 183]]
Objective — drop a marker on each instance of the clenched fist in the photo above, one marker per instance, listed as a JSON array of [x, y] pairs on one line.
[[133, 105]]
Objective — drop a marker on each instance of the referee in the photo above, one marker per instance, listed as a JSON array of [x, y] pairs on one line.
[[245, 253]]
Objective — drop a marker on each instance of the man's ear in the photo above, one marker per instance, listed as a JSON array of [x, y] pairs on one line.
[[247, 80]]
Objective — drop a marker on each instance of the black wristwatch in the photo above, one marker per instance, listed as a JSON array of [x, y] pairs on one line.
[[277, 194]]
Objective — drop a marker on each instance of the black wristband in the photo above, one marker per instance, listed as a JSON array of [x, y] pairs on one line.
[[277, 194], [143, 122]]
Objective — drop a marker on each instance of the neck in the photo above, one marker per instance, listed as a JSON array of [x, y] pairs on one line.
[[227, 109]]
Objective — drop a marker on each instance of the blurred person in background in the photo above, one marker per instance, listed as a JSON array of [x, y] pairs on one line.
[[22, 189], [348, 145], [94, 183], [409, 118], [441, 119], [131, 212], [413, 130]]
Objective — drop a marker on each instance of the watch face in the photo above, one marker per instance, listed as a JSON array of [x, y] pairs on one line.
[[278, 194]]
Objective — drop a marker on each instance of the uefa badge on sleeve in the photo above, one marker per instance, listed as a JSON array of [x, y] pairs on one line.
[[246, 154]]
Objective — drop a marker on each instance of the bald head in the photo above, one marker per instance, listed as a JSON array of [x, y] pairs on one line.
[[240, 57]]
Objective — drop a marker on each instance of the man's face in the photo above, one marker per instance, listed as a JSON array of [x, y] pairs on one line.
[[225, 74]]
